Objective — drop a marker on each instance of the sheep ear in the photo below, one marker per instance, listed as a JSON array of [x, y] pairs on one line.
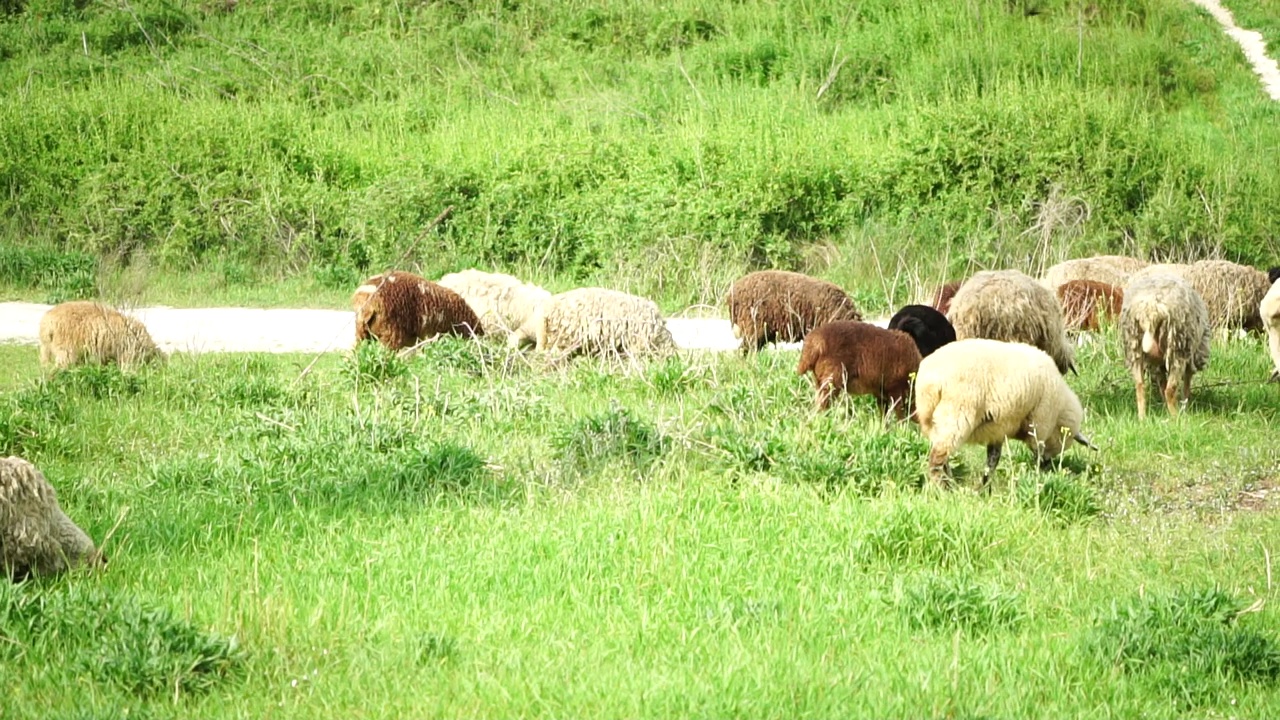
[[1080, 438]]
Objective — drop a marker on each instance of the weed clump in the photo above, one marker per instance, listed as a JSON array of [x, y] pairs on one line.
[[924, 535], [1189, 644], [372, 363], [613, 434], [1058, 497], [944, 602], [117, 639]]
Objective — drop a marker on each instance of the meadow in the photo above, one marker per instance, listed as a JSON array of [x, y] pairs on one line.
[[474, 532], [477, 533]]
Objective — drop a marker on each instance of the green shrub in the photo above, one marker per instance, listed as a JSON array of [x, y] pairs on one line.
[[923, 534], [615, 434], [946, 603]]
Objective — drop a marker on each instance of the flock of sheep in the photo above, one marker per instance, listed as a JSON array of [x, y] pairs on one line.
[[982, 363]]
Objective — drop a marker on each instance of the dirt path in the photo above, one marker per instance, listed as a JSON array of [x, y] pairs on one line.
[[277, 331], [1251, 42]]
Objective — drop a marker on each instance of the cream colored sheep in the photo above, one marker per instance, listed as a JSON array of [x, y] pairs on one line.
[[983, 392], [1269, 310], [502, 302], [82, 332], [1164, 326], [596, 321], [1107, 269], [1231, 292], [1010, 306], [36, 537]]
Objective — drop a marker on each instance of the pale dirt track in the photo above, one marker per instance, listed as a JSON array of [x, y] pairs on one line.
[[210, 330], [1251, 43]]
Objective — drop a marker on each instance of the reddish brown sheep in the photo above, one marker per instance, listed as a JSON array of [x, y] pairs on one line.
[[781, 306], [403, 309], [942, 296], [1086, 302], [860, 359]]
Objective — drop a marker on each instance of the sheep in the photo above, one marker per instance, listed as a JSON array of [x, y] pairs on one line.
[[928, 327], [36, 537], [983, 392], [1231, 292], [596, 321], [370, 286], [780, 306], [1164, 326], [502, 302], [1269, 311], [944, 294], [1085, 302], [860, 359], [404, 309], [84, 332], [1107, 269], [1007, 305]]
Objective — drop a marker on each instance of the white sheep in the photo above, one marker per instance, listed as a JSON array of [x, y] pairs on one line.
[[596, 321], [1010, 306], [1269, 310], [36, 537], [983, 392], [83, 332], [1165, 328], [503, 302], [1107, 269]]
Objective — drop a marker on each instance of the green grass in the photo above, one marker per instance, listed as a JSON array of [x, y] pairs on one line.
[[471, 532]]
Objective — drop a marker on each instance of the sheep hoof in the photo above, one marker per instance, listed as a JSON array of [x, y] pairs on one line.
[[1275, 377]]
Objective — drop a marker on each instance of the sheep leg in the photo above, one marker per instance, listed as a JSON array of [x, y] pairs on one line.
[[1171, 394], [993, 459], [826, 390], [938, 455], [1142, 392]]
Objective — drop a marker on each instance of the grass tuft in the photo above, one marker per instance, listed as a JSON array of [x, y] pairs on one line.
[[945, 602], [615, 434]]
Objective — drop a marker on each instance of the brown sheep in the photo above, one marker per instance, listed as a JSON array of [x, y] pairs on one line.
[[83, 332], [1086, 302], [942, 296], [781, 306], [859, 358], [404, 309]]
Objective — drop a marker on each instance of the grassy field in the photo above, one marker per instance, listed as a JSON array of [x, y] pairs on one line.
[[473, 533]]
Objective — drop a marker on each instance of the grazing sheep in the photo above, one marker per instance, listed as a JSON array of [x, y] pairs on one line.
[[781, 306], [983, 392], [83, 332], [1164, 326], [1231, 292], [1085, 302], [404, 309], [928, 327], [36, 537], [1269, 310], [1107, 269], [596, 321], [943, 295], [370, 286], [860, 359], [502, 302], [1007, 305]]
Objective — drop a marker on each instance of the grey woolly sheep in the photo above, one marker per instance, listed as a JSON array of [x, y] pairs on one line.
[[36, 537], [1231, 292], [1086, 302], [927, 326], [596, 321], [83, 332], [1269, 310], [502, 302], [404, 309], [984, 392], [781, 306], [1007, 305], [1107, 269], [1164, 326], [860, 359]]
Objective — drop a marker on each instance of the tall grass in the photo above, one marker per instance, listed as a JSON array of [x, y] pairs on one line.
[[598, 142]]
